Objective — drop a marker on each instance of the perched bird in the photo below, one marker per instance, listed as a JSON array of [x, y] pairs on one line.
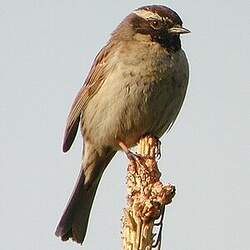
[[136, 86]]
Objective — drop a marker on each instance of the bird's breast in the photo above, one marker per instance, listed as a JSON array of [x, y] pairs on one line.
[[141, 95]]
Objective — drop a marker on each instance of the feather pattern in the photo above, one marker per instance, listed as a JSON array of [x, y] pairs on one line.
[[96, 77]]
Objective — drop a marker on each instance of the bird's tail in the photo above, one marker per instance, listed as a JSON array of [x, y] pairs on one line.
[[74, 221]]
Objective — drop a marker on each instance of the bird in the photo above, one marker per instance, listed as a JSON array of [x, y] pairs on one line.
[[136, 86]]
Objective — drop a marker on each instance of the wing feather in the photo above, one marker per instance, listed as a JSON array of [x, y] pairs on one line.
[[96, 77]]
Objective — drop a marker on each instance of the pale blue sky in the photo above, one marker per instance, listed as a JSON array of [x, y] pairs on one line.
[[46, 50]]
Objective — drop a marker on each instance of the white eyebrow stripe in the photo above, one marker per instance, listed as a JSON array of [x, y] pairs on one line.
[[147, 14]]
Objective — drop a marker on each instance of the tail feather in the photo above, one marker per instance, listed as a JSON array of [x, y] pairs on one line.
[[74, 221]]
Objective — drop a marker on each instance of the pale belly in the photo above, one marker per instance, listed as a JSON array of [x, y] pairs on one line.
[[131, 104]]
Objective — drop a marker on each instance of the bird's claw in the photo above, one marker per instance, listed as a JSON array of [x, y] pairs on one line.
[[133, 157], [158, 150]]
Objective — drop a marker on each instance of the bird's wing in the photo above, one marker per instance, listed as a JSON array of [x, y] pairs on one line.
[[96, 77]]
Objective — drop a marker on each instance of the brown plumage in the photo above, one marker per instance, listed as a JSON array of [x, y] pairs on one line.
[[136, 86]]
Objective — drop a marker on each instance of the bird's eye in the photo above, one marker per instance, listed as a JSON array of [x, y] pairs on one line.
[[155, 24]]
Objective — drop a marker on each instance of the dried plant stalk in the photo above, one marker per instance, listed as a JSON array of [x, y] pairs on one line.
[[147, 197]]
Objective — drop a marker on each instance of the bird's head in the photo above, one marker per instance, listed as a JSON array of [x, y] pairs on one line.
[[158, 22]]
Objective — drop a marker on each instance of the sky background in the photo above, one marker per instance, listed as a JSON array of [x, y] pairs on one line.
[[46, 50]]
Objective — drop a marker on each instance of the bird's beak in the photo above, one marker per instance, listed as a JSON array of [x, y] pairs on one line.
[[178, 29]]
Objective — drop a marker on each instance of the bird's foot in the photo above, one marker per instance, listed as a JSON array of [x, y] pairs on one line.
[[158, 150], [133, 157]]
